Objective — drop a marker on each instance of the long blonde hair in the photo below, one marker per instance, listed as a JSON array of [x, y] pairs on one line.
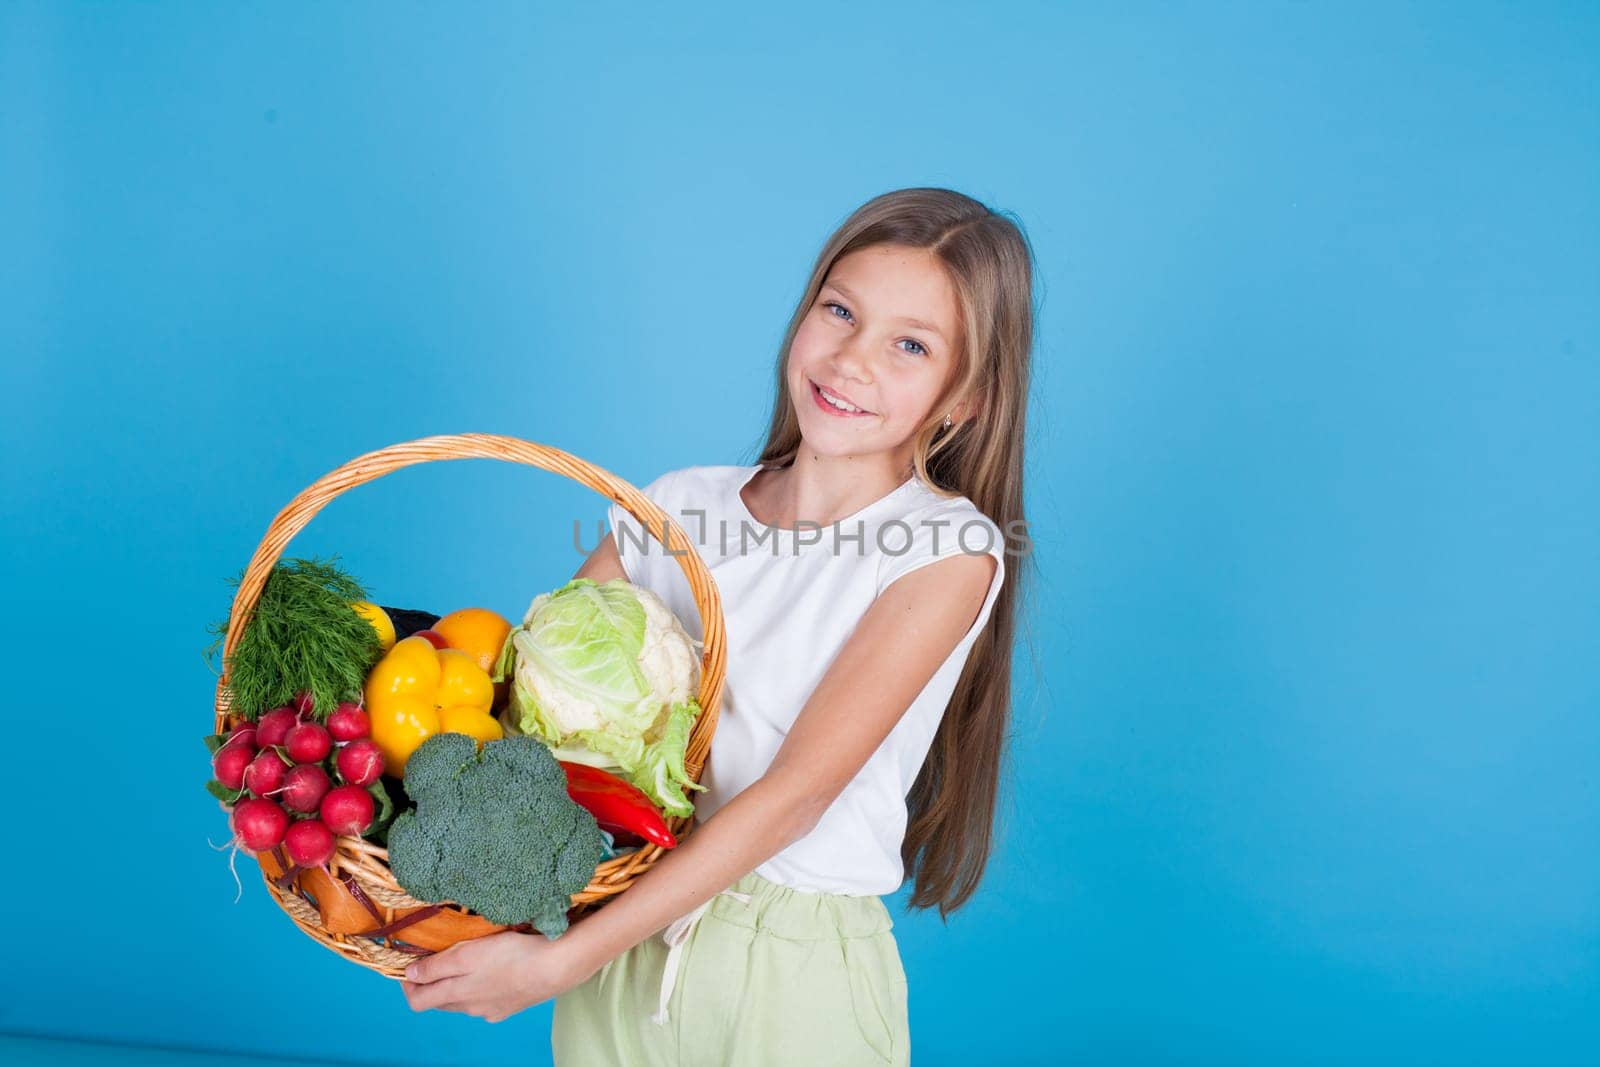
[[951, 808]]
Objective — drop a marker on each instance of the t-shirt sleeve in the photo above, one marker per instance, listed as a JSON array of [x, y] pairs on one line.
[[637, 546], [938, 537]]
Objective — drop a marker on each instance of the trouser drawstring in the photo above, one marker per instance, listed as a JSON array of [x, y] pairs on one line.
[[675, 935]]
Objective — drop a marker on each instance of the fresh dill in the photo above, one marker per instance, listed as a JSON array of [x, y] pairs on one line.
[[302, 637]]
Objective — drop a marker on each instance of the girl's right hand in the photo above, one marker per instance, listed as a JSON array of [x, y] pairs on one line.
[[494, 977]]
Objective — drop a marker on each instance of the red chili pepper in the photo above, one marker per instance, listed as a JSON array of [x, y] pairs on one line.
[[615, 804]]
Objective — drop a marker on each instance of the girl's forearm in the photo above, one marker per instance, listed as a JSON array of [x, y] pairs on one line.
[[753, 827]]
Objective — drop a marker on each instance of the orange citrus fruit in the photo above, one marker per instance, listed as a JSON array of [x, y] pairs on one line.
[[478, 632]]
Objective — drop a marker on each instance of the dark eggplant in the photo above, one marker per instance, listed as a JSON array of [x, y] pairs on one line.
[[407, 622]]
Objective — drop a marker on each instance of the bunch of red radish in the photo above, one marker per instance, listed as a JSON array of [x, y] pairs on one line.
[[281, 763]]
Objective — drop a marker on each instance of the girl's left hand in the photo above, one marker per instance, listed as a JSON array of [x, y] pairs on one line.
[[492, 977]]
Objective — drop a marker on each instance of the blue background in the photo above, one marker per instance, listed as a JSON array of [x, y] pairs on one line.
[[1306, 735]]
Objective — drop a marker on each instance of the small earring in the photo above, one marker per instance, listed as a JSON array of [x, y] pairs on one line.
[[947, 422]]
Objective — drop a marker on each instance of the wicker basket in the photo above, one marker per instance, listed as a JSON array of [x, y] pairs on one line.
[[357, 909]]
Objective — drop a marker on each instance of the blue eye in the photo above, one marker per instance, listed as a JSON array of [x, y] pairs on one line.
[[921, 348]]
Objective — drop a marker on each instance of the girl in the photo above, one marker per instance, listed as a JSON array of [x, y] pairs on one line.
[[861, 568]]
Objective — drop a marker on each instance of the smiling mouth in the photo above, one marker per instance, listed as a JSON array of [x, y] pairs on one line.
[[822, 398]]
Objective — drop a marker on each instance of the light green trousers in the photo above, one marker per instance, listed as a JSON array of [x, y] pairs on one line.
[[781, 978]]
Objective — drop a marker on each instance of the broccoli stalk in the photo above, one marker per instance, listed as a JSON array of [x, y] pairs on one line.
[[494, 831]]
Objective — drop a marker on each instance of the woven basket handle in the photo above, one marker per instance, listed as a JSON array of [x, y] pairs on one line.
[[373, 465]]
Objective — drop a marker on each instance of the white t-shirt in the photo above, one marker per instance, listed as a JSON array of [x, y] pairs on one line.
[[790, 599]]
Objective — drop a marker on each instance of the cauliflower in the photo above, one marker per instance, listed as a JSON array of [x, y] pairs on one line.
[[606, 675]]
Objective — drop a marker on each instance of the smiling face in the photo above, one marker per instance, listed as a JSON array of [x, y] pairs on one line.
[[883, 338]]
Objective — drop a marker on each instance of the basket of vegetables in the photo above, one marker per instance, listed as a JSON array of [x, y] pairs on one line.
[[408, 781]]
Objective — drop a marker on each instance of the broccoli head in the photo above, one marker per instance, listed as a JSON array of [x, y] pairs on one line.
[[494, 831]]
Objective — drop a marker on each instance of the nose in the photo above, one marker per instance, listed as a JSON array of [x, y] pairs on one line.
[[852, 360]]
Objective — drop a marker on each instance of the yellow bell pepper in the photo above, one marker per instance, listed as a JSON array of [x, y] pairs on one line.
[[462, 683], [416, 691], [402, 724], [472, 722]]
